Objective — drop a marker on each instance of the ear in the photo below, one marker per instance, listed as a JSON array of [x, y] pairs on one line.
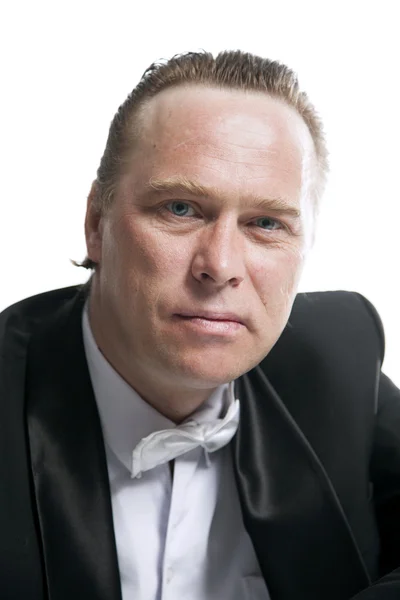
[[93, 225]]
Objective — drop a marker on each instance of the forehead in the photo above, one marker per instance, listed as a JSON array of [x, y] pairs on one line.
[[202, 110], [233, 137]]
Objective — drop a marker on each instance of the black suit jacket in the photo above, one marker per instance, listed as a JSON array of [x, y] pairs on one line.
[[316, 457]]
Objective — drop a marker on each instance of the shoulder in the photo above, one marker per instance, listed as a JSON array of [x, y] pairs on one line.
[[337, 316], [341, 303], [329, 355], [20, 319], [329, 328]]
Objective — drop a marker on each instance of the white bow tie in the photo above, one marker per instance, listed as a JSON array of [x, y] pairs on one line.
[[162, 446]]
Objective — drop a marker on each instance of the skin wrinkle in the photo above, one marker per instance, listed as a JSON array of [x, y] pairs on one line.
[[219, 156], [153, 264]]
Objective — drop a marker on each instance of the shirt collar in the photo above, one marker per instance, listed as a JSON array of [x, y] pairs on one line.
[[125, 417]]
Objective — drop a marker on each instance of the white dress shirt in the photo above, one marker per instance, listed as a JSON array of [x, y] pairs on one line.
[[180, 538]]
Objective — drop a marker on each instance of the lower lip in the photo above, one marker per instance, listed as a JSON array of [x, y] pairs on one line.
[[211, 326]]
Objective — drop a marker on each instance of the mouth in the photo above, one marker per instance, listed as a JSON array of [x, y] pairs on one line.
[[211, 323], [213, 316]]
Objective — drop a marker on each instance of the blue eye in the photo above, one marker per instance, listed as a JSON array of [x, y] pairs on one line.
[[267, 223], [180, 209]]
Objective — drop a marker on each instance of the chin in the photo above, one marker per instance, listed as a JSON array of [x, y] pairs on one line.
[[210, 371]]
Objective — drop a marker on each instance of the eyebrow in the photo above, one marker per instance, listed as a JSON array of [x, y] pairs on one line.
[[180, 184]]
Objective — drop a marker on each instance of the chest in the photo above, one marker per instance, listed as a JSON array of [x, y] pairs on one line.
[[184, 537]]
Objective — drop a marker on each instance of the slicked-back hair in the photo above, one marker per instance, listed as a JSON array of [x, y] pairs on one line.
[[234, 70]]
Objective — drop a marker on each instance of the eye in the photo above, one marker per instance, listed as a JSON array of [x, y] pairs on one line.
[[268, 223], [180, 209]]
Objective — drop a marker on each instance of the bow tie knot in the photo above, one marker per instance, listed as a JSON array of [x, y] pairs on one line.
[[162, 446]]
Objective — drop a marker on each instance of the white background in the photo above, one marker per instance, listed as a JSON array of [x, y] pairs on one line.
[[66, 66]]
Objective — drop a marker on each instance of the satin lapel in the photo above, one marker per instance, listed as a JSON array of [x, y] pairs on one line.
[[69, 464], [299, 531]]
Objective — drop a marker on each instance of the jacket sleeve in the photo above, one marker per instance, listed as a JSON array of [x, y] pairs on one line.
[[385, 474], [385, 477]]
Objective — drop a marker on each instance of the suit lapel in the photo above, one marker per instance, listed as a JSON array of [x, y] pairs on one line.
[[299, 531], [69, 465]]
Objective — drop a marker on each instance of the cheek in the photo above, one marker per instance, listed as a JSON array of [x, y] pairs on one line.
[[276, 277], [143, 249]]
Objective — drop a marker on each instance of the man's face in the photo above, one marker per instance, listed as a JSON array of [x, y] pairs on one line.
[[201, 252]]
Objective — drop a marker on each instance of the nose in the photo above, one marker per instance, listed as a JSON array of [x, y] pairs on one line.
[[219, 257]]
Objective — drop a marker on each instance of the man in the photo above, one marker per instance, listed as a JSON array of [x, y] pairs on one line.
[[126, 469]]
